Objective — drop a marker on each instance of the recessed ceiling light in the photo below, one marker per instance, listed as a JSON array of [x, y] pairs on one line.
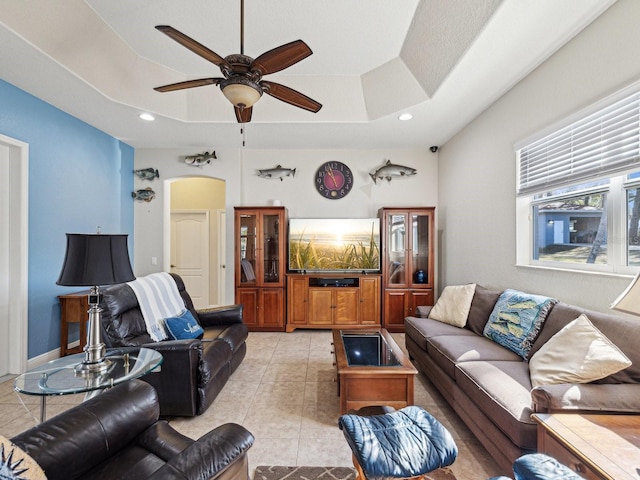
[[147, 116], [405, 117]]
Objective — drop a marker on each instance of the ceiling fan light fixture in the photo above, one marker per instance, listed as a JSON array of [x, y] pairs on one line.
[[241, 91]]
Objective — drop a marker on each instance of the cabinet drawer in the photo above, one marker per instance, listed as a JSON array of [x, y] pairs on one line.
[[555, 449]]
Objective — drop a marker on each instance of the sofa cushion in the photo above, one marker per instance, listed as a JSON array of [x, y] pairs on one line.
[[453, 305], [421, 329], [183, 326], [447, 351], [592, 356], [481, 307], [502, 391], [517, 319]]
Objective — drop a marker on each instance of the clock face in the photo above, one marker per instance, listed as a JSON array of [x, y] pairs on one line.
[[333, 180]]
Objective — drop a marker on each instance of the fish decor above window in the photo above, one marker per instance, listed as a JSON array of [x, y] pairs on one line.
[[278, 172], [390, 170], [200, 159], [147, 173]]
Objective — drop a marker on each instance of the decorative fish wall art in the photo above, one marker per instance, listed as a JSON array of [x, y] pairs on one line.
[[390, 170], [146, 194], [200, 159], [277, 172], [147, 173]]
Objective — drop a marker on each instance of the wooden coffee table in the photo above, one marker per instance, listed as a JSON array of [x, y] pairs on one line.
[[372, 370]]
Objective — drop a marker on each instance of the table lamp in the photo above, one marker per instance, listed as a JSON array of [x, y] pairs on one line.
[[92, 260], [629, 300]]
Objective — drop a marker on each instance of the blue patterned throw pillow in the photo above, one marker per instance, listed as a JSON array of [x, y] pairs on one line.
[[517, 319], [184, 326]]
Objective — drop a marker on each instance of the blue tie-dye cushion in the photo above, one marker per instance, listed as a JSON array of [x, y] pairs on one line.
[[516, 320]]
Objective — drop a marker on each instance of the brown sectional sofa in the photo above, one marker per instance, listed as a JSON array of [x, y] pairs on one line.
[[489, 386]]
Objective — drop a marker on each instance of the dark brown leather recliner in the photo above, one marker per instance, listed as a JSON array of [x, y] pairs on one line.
[[193, 371], [117, 434]]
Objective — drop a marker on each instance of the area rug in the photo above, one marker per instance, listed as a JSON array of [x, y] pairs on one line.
[[328, 473]]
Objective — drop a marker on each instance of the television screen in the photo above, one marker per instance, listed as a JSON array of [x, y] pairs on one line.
[[334, 244]]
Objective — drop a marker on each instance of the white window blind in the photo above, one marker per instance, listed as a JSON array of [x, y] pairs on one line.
[[600, 144]]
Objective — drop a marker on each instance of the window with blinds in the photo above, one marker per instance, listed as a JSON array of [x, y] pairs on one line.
[[599, 145]]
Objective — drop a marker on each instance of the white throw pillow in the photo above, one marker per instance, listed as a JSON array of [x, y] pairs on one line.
[[454, 304], [579, 353]]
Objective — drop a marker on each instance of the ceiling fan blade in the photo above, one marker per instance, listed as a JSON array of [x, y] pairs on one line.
[[193, 45], [291, 96], [281, 57], [243, 115], [188, 84]]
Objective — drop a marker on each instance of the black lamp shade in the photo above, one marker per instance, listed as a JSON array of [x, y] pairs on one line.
[[95, 259]]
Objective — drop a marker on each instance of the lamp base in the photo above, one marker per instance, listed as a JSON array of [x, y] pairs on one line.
[[94, 351], [85, 368]]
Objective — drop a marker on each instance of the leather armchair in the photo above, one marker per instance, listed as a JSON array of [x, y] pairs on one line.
[[193, 371], [117, 434]]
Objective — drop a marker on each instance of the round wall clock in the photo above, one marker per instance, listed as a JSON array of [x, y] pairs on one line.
[[333, 180]]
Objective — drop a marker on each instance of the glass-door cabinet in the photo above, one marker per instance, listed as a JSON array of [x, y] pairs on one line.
[[259, 265], [408, 257]]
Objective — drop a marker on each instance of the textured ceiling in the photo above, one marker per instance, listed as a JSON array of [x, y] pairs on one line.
[[444, 61]]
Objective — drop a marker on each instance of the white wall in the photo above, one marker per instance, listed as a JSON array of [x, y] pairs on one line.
[[245, 188], [477, 168]]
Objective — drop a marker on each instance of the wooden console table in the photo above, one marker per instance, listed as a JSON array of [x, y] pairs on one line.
[[74, 308], [595, 446]]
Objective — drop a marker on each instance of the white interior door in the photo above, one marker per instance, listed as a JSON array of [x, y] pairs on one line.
[[190, 252]]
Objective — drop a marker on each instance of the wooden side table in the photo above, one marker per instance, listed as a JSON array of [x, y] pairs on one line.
[[74, 308], [595, 446]]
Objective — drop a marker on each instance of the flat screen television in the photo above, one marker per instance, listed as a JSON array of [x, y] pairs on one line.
[[334, 245]]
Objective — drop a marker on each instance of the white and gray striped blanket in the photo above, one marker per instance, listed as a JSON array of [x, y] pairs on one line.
[[158, 298]]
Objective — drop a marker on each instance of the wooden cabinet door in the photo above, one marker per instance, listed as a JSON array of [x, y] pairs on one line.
[[248, 297], [395, 309], [369, 301], [271, 308], [297, 300], [320, 306], [345, 305], [417, 298]]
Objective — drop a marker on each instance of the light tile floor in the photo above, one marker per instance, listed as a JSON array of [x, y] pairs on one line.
[[284, 392]]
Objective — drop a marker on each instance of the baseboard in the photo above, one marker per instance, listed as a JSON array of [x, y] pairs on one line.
[[47, 356]]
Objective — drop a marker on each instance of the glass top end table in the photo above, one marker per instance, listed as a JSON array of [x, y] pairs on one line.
[[62, 377]]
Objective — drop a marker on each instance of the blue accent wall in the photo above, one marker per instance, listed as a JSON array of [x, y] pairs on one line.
[[79, 178]]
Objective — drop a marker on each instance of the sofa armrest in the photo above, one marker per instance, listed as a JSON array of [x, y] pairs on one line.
[[422, 311], [618, 398], [167, 346], [216, 316], [71, 443], [176, 380], [210, 455]]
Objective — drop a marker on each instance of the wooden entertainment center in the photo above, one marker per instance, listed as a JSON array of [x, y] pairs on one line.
[[275, 299]]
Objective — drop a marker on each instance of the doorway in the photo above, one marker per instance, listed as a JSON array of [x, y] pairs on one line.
[[14, 171], [201, 194]]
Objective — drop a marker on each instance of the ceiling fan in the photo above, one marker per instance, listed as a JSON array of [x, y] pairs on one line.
[[242, 82]]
